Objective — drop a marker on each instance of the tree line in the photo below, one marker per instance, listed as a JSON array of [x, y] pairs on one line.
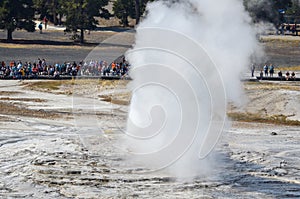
[[79, 15], [274, 11], [76, 15]]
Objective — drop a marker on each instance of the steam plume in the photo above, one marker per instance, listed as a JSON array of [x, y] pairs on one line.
[[186, 64]]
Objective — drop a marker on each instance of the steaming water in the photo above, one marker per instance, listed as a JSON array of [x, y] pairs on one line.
[[185, 68]]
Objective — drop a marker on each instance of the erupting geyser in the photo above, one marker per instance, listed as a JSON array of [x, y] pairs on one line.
[[186, 63]]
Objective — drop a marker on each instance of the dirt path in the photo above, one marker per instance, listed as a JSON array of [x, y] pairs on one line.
[[56, 47]]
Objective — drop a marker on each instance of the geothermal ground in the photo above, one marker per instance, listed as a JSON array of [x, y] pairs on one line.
[[58, 138]]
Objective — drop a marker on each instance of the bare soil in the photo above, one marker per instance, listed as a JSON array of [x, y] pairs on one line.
[[56, 46], [282, 51]]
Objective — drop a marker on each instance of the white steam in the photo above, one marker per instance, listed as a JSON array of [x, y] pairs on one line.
[[186, 66]]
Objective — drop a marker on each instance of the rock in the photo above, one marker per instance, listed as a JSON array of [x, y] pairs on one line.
[[73, 172], [280, 172], [274, 133]]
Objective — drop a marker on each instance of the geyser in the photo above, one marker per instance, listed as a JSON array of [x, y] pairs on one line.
[[186, 63]]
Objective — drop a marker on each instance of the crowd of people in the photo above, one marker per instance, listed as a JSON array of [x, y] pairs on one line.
[[23, 70], [287, 28], [269, 70]]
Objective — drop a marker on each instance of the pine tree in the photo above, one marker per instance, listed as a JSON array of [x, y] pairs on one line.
[[52, 9], [124, 9], [137, 11], [80, 15], [16, 14], [268, 10], [129, 8]]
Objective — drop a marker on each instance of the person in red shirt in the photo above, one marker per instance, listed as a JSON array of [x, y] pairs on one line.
[[45, 22]]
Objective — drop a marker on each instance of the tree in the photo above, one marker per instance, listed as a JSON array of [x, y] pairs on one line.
[[52, 9], [16, 14], [80, 15], [268, 10], [129, 8], [294, 9], [137, 11], [124, 9]]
